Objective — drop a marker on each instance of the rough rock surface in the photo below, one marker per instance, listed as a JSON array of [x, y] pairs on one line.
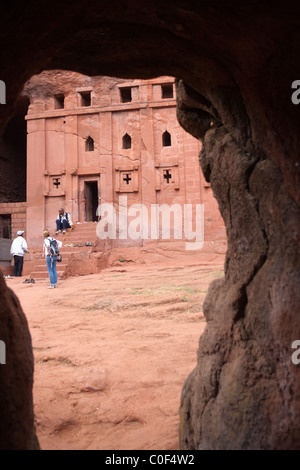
[[239, 61], [245, 380], [16, 376]]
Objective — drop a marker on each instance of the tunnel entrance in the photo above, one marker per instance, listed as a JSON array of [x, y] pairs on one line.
[[243, 392], [80, 172], [13, 156]]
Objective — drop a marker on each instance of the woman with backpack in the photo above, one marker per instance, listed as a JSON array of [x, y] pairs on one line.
[[51, 253]]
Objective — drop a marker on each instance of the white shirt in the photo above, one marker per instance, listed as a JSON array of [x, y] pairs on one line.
[[18, 246], [47, 244]]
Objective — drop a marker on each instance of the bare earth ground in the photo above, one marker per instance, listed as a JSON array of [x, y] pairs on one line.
[[112, 351]]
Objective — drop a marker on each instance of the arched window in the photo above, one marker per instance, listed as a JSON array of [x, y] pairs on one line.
[[166, 139], [126, 141], [89, 144]]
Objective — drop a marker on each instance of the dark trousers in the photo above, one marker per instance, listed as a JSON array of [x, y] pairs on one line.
[[18, 265], [62, 225]]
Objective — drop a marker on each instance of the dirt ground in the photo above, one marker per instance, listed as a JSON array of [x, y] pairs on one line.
[[112, 351]]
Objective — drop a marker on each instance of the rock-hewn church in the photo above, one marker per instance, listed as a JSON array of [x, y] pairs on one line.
[[93, 141]]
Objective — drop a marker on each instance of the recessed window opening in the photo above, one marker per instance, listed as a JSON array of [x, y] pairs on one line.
[[126, 142], [85, 98], [59, 101], [89, 144], [5, 226], [167, 91], [166, 139], [125, 94]]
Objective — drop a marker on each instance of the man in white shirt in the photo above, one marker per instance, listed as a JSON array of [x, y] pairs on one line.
[[17, 249]]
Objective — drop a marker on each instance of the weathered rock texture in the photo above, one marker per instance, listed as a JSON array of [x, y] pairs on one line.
[[16, 424], [239, 60], [243, 393]]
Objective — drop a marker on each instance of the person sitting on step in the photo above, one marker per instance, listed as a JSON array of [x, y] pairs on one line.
[[63, 221]]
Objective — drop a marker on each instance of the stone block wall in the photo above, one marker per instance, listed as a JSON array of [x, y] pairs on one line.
[[17, 211]]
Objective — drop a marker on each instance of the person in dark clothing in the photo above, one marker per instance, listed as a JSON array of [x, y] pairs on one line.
[[18, 249], [63, 221]]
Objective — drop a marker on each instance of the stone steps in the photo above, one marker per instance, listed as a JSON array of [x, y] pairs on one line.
[[79, 235]]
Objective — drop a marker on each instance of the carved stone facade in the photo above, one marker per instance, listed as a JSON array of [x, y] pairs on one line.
[[92, 140]]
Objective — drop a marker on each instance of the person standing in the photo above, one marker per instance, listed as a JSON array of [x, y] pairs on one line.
[[63, 221], [50, 260], [18, 249]]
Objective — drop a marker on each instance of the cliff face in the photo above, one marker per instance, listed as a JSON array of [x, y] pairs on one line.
[[235, 66]]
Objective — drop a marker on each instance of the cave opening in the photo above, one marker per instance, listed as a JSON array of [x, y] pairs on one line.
[[157, 295], [13, 156], [242, 61]]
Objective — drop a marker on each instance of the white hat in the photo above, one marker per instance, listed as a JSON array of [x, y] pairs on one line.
[[20, 232]]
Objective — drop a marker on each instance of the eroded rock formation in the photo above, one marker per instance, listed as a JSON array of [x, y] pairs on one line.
[[243, 393], [239, 61], [16, 426]]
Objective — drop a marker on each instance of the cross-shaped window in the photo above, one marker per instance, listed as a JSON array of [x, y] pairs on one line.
[[56, 182], [127, 178], [167, 175]]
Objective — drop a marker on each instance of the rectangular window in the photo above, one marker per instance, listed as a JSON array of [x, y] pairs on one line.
[[167, 91], [85, 98], [5, 226], [125, 94], [59, 101]]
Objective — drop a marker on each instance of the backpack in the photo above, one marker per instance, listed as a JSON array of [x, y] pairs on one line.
[[54, 251]]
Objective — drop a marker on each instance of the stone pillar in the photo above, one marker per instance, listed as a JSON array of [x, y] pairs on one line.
[[106, 163], [71, 147], [36, 155], [147, 169]]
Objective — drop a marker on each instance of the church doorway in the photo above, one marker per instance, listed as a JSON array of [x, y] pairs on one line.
[[91, 200]]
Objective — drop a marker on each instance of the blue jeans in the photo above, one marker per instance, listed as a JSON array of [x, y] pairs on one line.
[[51, 265]]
